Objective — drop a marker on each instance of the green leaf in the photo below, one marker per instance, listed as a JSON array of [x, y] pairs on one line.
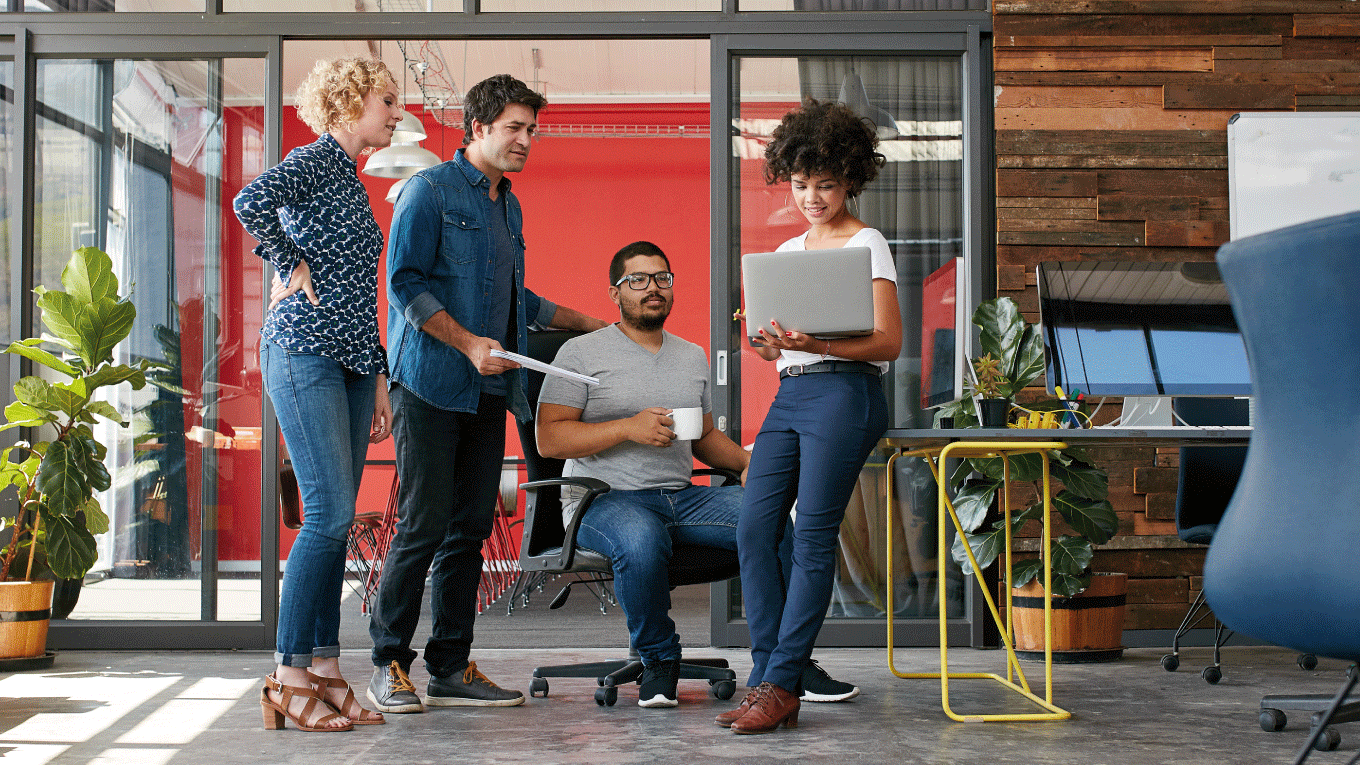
[[1027, 361], [19, 414], [102, 325], [1024, 467], [107, 411], [1025, 571], [973, 502], [1002, 327], [95, 519], [28, 350], [1071, 555], [986, 547], [35, 392], [61, 315], [70, 546], [88, 275], [1083, 479], [1067, 585], [84, 451], [112, 374], [69, 397], [1093, 519], [62, 485]]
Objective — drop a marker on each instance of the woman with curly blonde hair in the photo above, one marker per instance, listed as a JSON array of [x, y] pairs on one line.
[[827, 416], [324, 367]]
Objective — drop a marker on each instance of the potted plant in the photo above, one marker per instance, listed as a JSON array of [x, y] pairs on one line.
[[52, 534], [1082, 501]]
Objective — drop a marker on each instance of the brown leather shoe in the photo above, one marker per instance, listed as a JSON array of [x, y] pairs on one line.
[[732, 715], [772, 707]]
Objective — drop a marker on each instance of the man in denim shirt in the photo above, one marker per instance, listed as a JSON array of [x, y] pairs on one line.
[[455, 265]]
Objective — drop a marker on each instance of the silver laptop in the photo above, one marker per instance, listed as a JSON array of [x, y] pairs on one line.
[[823, 293]]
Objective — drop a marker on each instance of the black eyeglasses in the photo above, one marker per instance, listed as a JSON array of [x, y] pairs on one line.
[[663, 279]]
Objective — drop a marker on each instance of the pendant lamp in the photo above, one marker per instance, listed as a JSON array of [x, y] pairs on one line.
[[403, 158], [854, 96], [395, 190]]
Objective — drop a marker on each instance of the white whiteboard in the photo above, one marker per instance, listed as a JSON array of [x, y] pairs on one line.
[[1290, 167]]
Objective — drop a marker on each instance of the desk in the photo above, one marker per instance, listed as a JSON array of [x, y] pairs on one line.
[[936, 446]]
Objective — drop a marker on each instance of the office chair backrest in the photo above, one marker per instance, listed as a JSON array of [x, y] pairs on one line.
[[547, 534], [1208, 474], [1282, 563]]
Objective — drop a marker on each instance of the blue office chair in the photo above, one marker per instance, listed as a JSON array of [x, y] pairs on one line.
[[1208, 476], [1281, 566]]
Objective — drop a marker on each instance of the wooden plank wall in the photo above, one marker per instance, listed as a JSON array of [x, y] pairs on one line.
[[1111, 144]]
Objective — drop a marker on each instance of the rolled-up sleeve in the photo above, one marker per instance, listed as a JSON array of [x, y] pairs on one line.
[[539, 310], [261, 203], [412, 249]]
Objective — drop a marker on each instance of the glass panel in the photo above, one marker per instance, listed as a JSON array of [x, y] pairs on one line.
[[917, 203], [862, 5], [142, 159], [120, 6], [596, 6], [456, 6]]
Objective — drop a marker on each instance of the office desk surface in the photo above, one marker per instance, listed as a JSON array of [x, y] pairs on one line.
[[917, 438]]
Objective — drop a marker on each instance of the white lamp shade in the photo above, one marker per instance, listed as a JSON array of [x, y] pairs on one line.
[[395, 190], [409, 129], [854, 96], [400, 160]]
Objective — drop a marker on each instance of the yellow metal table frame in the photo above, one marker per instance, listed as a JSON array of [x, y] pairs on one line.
[[1015, 676]]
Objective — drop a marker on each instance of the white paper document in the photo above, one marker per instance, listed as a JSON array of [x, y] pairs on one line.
[[539, 366]]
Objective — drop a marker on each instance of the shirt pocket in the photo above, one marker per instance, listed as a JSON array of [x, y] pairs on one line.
[[462, 237]]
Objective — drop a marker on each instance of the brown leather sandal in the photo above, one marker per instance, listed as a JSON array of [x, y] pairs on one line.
[[350, 707], [307, 719]]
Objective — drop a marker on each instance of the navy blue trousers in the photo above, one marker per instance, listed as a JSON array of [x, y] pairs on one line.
[[811, 448]]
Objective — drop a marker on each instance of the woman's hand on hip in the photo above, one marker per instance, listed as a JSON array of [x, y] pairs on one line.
[[299, 281], [382, 413]]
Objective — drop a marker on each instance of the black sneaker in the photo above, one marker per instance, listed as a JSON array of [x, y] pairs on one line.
[[658, 681], [470, 689], [390, 690], [819, 686]]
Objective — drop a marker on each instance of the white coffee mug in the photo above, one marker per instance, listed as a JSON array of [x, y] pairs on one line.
[[689, 423]]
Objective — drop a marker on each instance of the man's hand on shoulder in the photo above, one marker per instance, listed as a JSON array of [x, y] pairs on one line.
[[651, 427]]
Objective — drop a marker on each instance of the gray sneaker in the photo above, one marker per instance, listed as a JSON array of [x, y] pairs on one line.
[[470, 689], [390, 690]]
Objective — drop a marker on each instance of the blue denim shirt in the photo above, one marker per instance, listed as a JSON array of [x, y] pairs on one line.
[[440, 258]]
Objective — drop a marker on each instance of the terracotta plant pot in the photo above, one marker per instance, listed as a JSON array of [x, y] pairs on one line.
[[25, 610], [1086, 628]]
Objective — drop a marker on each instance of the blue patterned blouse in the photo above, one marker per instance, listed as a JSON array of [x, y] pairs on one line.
[[312, 206]]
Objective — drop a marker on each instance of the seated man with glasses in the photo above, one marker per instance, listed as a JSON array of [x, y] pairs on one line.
[[622, 432]]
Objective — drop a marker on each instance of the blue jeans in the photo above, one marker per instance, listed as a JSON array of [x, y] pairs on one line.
[[449, 467], [636, 529], [325, 412], [811, 448]]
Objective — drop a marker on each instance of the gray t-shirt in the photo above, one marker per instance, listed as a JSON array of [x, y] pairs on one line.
[[631, 379]]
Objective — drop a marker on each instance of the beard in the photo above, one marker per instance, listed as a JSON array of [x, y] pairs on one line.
[[636, 317]]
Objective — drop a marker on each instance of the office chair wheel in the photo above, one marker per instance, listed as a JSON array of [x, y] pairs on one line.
[[1272, 720], [607, 696], [538, 688], [1171, 662], [1211, 675], [722, 689], [1307, 661], [1329, 740]]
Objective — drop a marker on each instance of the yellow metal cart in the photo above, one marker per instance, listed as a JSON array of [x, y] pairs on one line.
[[1015, 676]]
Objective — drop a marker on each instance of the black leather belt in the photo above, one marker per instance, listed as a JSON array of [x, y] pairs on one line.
[[861, 367]]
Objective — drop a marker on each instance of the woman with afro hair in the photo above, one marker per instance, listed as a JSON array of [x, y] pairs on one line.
[[828, 414]]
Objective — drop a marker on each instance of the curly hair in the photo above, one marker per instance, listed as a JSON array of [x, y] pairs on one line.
[[824, 138], [487, 99], [333, 94]]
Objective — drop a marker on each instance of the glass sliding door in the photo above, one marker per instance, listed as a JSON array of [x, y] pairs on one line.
[[918, 202], [141, 158]]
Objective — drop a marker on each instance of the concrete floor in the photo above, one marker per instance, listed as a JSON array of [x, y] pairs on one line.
[[196, 707]]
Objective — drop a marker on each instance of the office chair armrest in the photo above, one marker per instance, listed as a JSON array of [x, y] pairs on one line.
[[730, 477], [594, 487]]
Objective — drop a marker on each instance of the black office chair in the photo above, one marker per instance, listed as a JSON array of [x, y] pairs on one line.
[[550, 547], [1208, 476], [1282, 563], [547, 548]]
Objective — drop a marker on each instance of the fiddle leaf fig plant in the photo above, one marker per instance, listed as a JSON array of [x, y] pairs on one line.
[[1014, 353], [59, 514]]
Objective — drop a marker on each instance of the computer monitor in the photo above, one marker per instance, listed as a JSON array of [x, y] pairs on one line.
[[1140, 329]]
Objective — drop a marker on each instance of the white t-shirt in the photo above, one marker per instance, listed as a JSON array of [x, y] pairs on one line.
[[881, 267]]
